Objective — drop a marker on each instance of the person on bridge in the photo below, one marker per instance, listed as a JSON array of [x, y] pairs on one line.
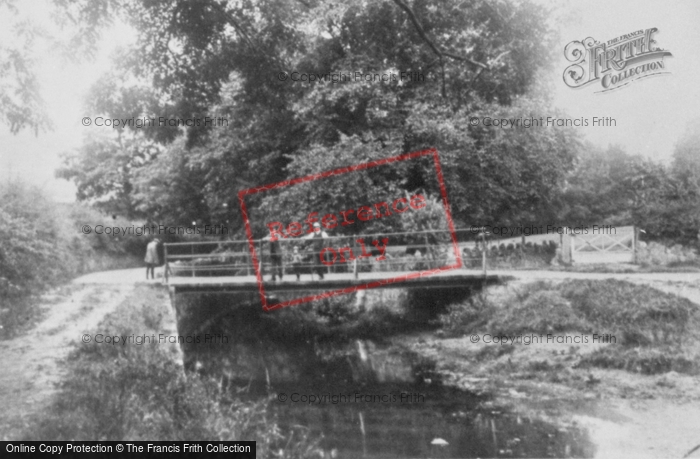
[[296, 262], [317, 243], [276, 258], [152, 259]]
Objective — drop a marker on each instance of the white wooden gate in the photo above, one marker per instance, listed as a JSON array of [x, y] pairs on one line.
[[609, 244]]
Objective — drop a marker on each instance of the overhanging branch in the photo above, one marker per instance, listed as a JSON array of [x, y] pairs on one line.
[[440, 53]]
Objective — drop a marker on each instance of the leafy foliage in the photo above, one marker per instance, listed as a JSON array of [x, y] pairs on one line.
[[223, 59], [20, 103], [217, 58], [103, 168], [613, 187], [30, 255], [73, 33], [510, 176]]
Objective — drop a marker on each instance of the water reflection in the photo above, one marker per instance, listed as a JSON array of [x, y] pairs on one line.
[[369, 400], [441, 423], [394, 404]]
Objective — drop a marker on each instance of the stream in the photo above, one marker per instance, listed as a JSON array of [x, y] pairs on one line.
[[364, 397]]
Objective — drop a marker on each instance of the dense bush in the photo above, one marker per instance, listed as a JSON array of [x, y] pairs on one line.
[[467, 316], [656, 254], [26, 262], [42, 245], [30, 255]]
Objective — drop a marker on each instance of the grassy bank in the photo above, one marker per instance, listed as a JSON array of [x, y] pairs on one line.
[[576, 339], [651, 331], [140, 392]]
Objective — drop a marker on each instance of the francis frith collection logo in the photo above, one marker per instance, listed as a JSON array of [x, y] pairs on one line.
[[615, 63]]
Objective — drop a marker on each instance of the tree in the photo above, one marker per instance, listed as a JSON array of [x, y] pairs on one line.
[[217, 58], [685, 170], [497, 175], [74, 34], [613, 187], [103, 169], [171, 189], [20, 103], [601, 188], [686, 158]]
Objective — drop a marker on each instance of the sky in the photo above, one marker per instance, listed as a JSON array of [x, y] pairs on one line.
[[64, 86], [650, 114], [653, 113]]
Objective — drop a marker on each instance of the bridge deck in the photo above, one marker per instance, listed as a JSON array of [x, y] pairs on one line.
[[333, 281]]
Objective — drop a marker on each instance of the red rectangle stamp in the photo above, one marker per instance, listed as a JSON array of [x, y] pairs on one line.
[[334, 262]]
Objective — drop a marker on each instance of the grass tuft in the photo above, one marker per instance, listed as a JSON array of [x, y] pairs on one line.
[[655, 332], [140, 392]]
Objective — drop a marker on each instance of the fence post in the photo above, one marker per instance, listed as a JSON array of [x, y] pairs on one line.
[[165, 262], [248, 263], [260, 248], [192, 252], [483, 252]]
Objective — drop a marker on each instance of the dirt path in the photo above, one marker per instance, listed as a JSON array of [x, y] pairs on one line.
[[31, 363], [645, 429]]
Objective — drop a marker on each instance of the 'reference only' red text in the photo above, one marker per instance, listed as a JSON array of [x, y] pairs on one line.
[[330, 221]]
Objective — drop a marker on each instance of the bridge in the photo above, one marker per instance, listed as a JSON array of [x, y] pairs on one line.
[[380, 260]]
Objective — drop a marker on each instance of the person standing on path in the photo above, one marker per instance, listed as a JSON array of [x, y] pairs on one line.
[[152, 259]]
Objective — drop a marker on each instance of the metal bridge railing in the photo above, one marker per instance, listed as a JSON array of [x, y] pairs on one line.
[[415, 251]]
